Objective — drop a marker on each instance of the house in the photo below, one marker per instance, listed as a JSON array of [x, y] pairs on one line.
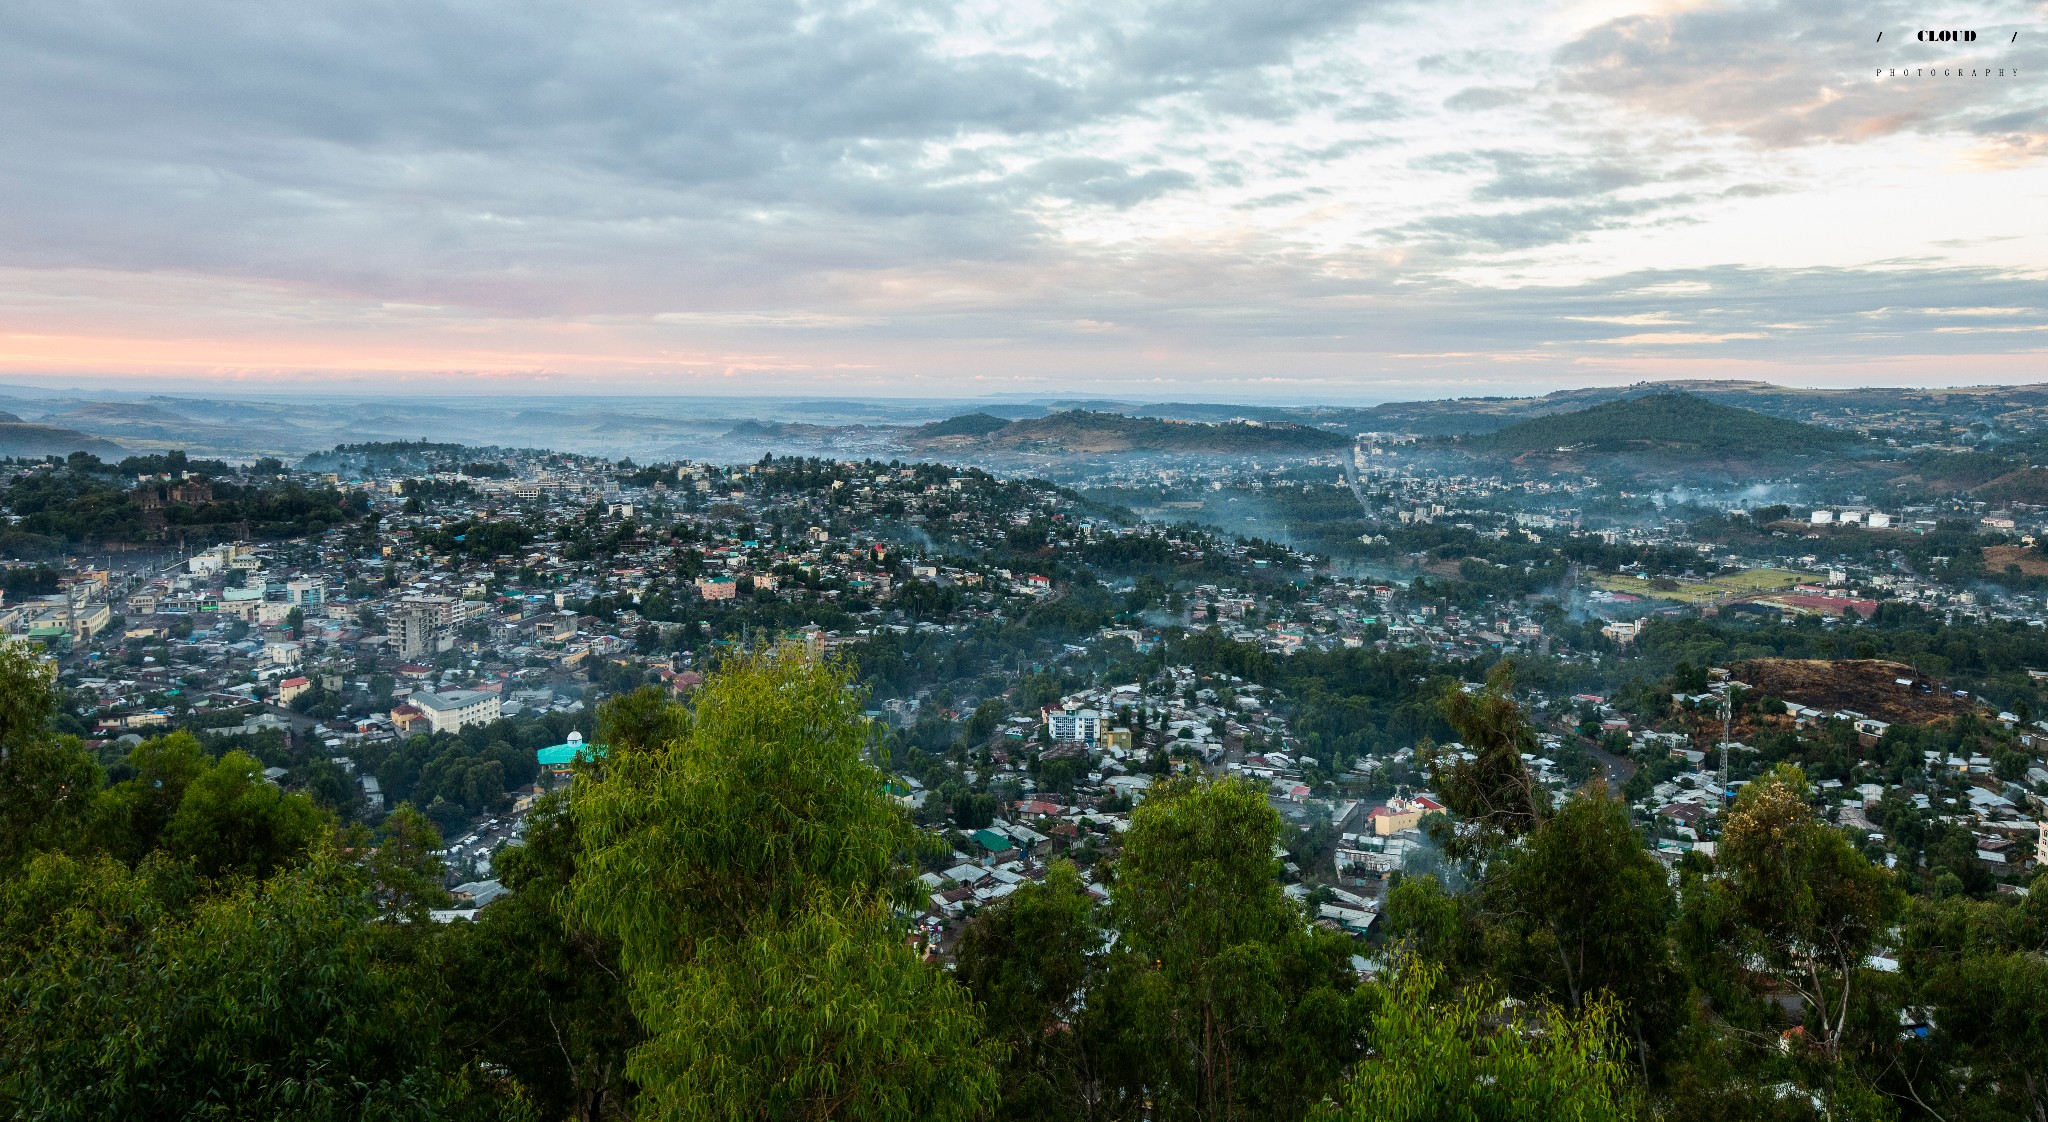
[[408, 720], [291, 688], [477, 893], [995, 844]]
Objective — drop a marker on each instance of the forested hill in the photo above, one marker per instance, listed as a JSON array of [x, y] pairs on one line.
[[85, 501], [1677, 423], [968, 424], [1080, 430], [20, 438]]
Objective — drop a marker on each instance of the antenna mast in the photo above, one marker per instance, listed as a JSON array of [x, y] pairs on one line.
[[1727, 730]]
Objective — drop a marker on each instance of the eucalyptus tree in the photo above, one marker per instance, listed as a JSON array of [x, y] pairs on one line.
[[749, 873]]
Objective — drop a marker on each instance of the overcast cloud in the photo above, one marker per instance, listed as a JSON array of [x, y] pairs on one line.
[[1294, 198]]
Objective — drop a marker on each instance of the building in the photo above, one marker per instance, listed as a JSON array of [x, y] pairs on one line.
[[1401, 814], [306, 592], [997, 846], [440, 609], [408, 720], [561, 759], [291, 688], [717, 588], [455, 709], [1071, 722], [414, 631], [1623, 631]]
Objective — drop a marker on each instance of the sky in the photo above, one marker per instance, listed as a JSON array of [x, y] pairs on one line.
[[1288, 200]]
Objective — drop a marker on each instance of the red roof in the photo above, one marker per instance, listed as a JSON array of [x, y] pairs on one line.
[[290, 682]]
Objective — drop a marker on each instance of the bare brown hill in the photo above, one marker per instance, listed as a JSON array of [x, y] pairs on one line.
[[1872, 687]]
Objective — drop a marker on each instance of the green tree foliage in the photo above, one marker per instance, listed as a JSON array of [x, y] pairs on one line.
[[1667, 422], [48, 782], [1230, 1005], [1493, 794], [1977, 969], [1811, 906], [746, 873], [403, 866], [133, 814], [232, 822], [88, 502], [1472, 1057], [1423, 921], [456, 777], [643, 720], [538, 992], [274, 1000], [1584, 911], [479, 538], [825, 1016], [221, 815], [1027, 961]]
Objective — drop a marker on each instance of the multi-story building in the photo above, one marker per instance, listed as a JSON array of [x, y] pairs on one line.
[[1073, 723], [717, 588], [451, 711], [440, 608], [413, 631]]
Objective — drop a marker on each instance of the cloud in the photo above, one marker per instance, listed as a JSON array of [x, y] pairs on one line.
[[822, 189], [1090, 179], [1795, 72], [1481, 98]]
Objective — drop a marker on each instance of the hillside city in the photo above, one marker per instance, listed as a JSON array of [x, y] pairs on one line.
[[1034, 656], [1649, 755], [1173, 561]]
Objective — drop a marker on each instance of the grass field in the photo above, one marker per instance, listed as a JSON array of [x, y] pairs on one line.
[[1749, 582]]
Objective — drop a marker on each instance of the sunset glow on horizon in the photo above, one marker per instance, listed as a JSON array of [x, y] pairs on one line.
[[1223, 198]]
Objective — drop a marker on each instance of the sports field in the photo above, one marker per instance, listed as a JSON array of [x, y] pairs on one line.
[[1728, 586]]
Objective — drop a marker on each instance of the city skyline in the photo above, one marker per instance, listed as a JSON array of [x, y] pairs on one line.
[[1222, 200]]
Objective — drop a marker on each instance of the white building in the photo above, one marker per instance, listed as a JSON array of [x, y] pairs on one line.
[[1073, 723], [1823, 517], [451, 711], [306, 592]]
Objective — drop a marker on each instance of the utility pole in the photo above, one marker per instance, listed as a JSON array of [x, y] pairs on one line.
[[1727, 734]]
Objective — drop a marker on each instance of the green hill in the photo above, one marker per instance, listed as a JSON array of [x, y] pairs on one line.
[[18, 438], [968, 424], [1083, 431], [1670, 423]]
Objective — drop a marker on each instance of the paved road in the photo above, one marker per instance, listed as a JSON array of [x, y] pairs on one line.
[[1618, 770]]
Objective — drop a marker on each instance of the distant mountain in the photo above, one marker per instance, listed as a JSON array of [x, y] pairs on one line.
[[18, 439], [151, 426], [969, 424], [1083, 431], [1668, 423]]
